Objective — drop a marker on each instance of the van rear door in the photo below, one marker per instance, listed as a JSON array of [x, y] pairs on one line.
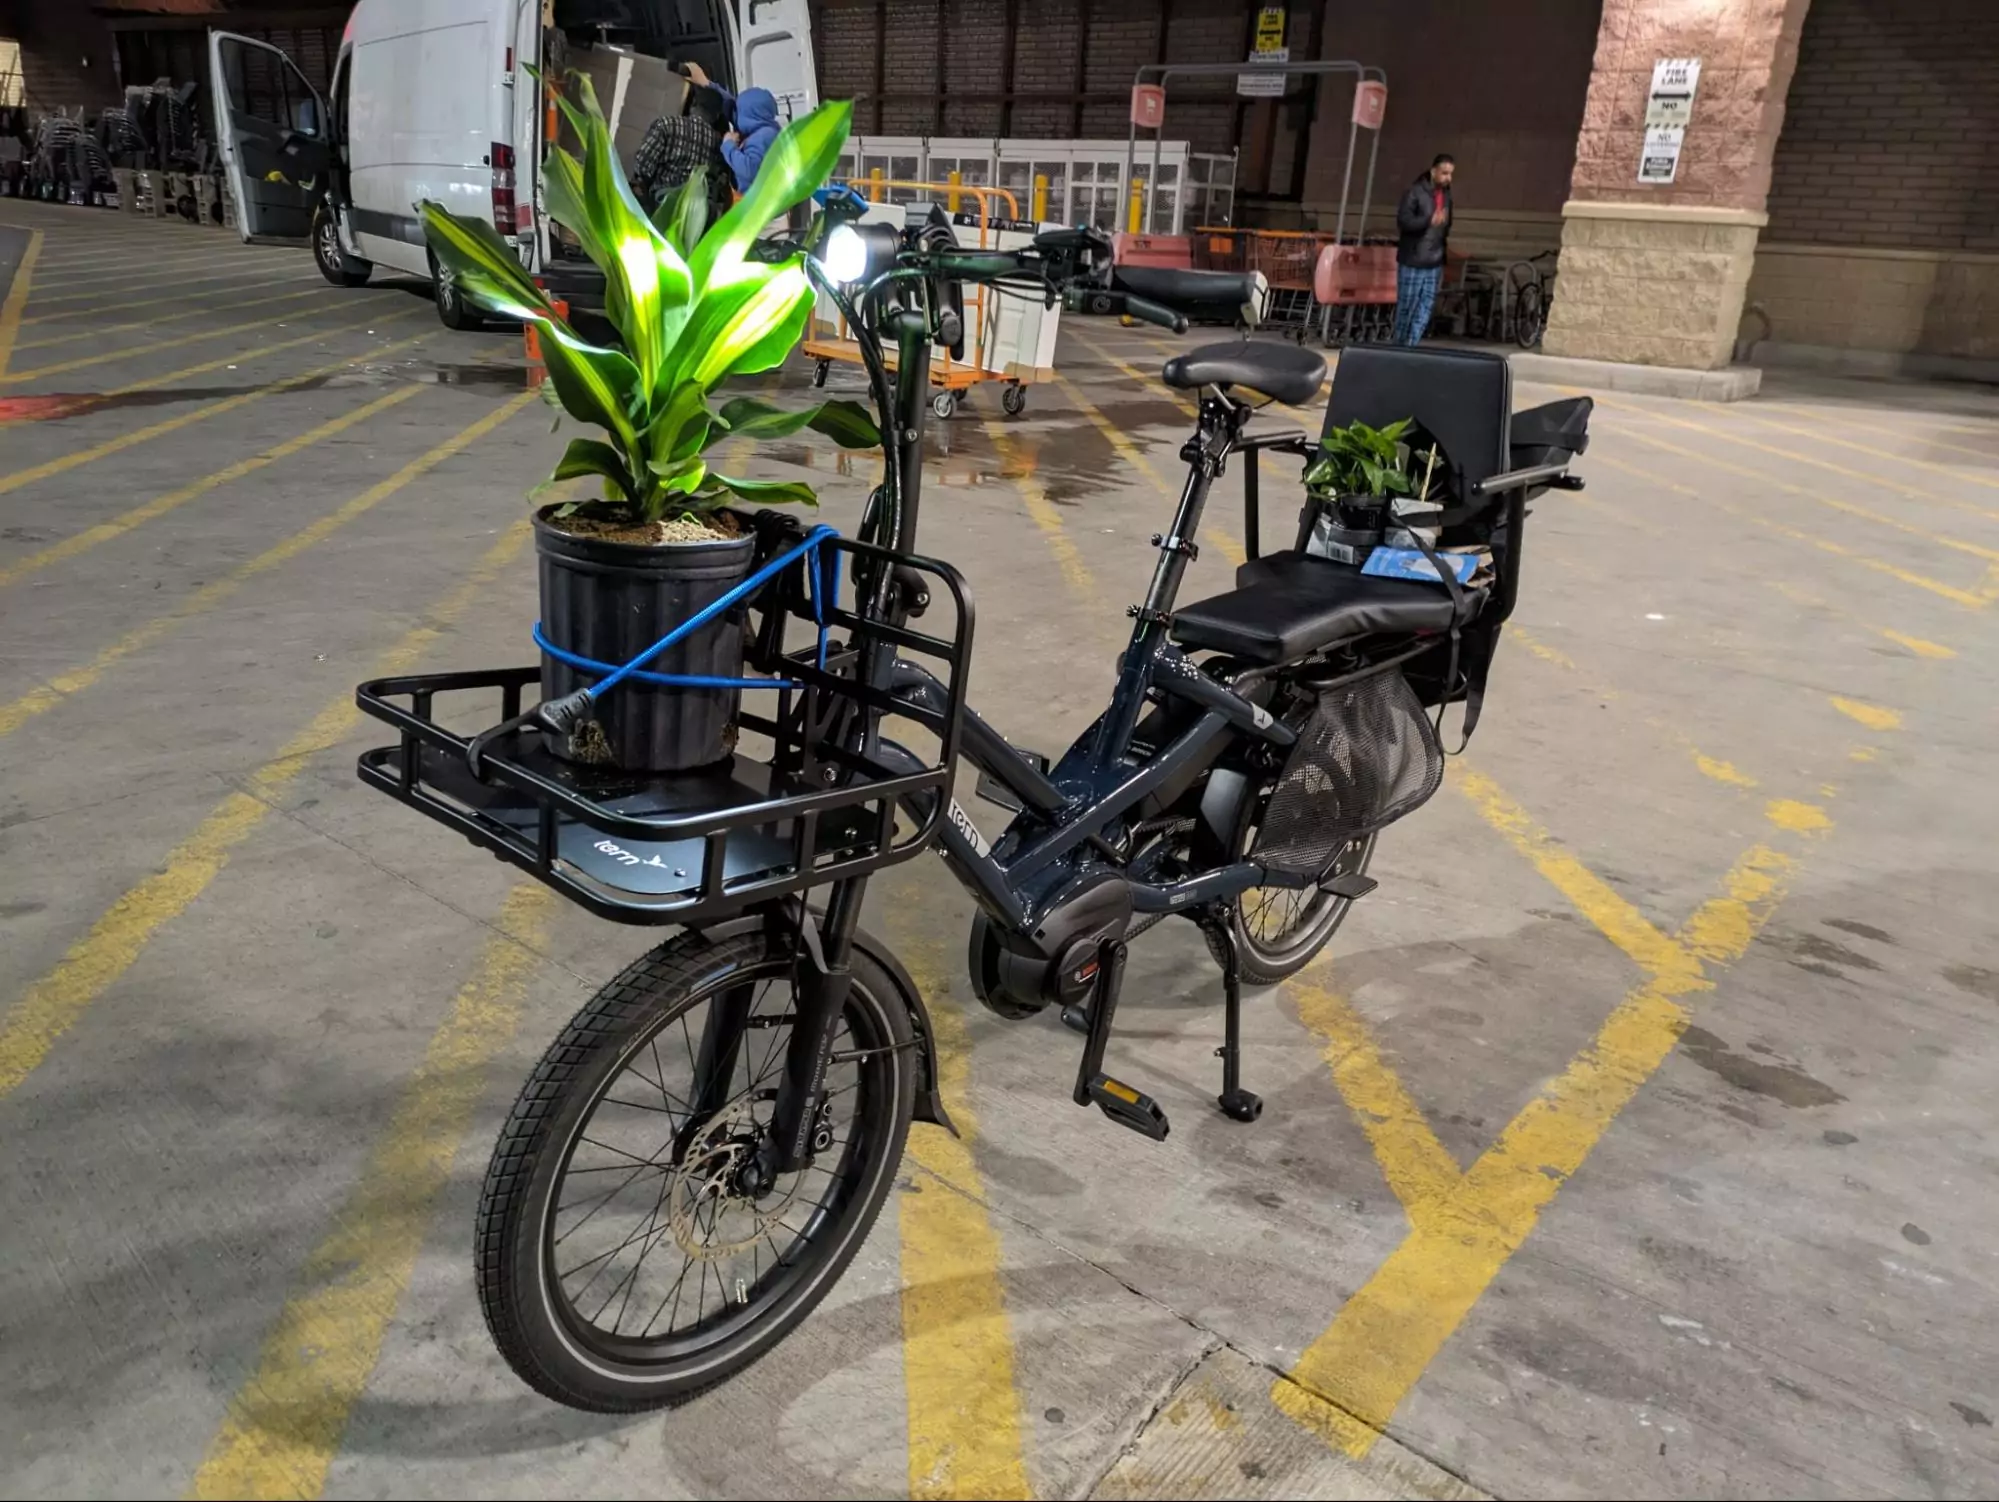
[[271, 128], [776, 53]]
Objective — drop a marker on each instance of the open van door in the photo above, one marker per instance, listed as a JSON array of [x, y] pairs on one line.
[[776, 38], [271, 126]]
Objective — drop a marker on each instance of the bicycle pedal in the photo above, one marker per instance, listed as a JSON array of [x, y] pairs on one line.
[[1349, 884], [1129, 1107]]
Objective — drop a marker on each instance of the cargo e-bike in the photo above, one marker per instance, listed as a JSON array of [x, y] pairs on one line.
[[699, 1155]]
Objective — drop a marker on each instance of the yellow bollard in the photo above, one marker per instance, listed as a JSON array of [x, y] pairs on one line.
[[875, 185], [951, 198], [1137, 204], [1040, 210]]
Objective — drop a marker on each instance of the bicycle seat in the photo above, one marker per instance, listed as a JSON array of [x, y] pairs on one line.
[[1288, 372], [1287, 605]]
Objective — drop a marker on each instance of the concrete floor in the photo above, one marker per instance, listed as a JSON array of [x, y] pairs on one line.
[[1635, 1139]]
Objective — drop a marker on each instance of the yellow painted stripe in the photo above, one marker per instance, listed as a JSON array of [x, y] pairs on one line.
[[136, 436], [1593, 897], [1150, 384], [1921, 646], [1873, 716], [1949, 592], [1419, 1169], [1723, 771], [1819, 497], [52, 1005], [174, 317], [1040, 510], [66, 685], [957, 1348], [1794, 456], [160, 505], [199, 298], [18, 291], [1953, 471], [285, 1423], [1349, 1382], [75, 272], [140, 276], [1130, 452], [199, 336]]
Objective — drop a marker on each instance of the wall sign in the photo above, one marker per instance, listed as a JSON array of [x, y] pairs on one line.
[[1269, 48], [1668, 108], [1148, 105]]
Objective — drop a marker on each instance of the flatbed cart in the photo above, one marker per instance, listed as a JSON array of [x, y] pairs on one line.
[[950, 377]]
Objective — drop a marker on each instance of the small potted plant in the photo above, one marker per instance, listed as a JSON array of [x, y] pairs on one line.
[[1352, 487], [659, 542]]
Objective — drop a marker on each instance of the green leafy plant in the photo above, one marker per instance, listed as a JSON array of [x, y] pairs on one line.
[[690, 307], [1360, 460]]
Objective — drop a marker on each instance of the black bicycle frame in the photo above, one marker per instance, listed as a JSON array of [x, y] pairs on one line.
[[1101, 786], [1104, 785]]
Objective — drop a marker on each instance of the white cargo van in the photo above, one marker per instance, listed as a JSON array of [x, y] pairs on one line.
[[431, 99]]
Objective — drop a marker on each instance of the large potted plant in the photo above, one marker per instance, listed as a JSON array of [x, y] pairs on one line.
[[659, 542]]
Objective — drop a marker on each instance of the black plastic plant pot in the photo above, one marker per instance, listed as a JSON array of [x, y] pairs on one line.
[[607, 602]]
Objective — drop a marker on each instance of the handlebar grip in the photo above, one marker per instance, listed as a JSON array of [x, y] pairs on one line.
[[1152, 312]]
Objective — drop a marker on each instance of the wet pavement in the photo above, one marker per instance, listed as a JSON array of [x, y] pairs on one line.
[[1632, 1139]]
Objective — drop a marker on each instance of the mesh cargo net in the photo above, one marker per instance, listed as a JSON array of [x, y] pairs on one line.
[[1366, 756]]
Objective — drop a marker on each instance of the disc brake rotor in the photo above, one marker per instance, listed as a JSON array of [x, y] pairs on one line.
[[710, 1214]]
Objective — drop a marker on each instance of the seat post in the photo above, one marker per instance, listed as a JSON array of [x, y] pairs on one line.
[[1205, 453]]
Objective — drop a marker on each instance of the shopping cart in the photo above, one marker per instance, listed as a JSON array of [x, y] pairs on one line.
[[1354, 286], [1285, 257]]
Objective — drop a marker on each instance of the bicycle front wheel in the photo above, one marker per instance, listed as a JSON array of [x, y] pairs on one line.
[[628, 1255]]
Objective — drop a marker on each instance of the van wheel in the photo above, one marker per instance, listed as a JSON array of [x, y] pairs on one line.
[[334, 263], [452, 310]]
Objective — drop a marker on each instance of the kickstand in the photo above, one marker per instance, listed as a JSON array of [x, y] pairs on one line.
[[1243, 1105]]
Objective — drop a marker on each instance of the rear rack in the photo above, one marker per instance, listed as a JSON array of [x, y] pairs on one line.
[[817, 803]]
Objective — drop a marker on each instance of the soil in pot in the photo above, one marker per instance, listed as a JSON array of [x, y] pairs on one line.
[[610, 588]]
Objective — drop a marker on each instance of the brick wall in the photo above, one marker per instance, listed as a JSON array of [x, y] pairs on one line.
[[65, 58], [1501, 86], [1892, 127], [1071, 66]]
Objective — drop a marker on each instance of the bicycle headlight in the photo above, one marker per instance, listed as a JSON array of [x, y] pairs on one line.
[[854, 252]]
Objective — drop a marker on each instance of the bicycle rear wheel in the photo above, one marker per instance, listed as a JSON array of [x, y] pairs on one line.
[[1280, 930], [627, 1257]]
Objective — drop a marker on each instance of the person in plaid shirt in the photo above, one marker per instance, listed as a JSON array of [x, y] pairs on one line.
[[675, 145]]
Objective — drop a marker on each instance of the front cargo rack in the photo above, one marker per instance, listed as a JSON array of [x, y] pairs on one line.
[[815, 801]]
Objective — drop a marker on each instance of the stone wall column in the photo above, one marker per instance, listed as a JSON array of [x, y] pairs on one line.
[[1655, 274]]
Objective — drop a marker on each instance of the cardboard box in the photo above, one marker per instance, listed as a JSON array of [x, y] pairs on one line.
[[633, 90]]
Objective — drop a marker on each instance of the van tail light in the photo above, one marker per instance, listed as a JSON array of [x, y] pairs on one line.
[[503, 188]]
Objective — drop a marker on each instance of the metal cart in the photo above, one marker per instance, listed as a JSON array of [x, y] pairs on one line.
[[951, 376]]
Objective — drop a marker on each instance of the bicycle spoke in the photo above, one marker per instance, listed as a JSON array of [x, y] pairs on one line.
[[672, 1293], [602, 1200]]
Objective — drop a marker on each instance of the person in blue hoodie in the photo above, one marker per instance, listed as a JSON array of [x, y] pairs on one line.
[[756, 125]]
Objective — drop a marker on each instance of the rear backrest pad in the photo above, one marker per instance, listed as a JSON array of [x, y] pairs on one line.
[[1464, 398]]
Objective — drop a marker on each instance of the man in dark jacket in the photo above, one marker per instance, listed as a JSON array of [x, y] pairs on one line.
[[1423, 227]]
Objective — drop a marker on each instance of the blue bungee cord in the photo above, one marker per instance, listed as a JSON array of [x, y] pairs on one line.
[[822, 583]]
